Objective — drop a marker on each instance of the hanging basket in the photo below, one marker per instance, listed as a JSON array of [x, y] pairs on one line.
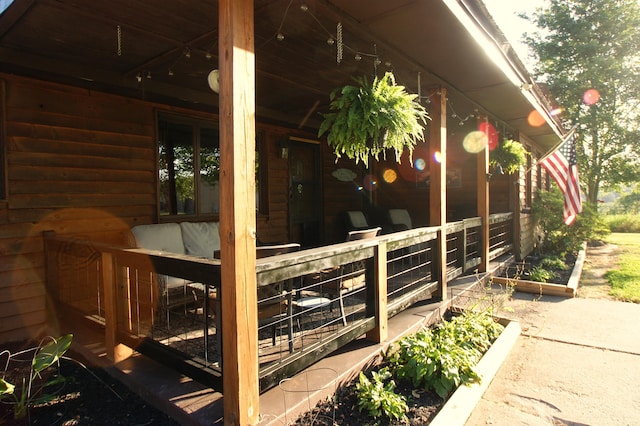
[[368, 119], [510, 155]]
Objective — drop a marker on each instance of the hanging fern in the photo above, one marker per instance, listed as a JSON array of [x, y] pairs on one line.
[[510, 155], [369, 119]]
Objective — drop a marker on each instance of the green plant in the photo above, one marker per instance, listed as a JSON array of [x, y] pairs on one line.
[[33, 386], [445, 356], [560, 239], [368, 119], [622, 223], [553, 263], [540, 274], [510, 155], [378, 398]]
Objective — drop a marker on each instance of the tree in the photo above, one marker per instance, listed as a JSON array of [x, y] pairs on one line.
[[588, 55]]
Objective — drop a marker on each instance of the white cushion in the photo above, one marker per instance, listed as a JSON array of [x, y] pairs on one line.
[[200, 239], [162, 236]]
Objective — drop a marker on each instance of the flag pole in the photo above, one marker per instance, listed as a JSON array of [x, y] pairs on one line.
[[552, 150], [563, 140]]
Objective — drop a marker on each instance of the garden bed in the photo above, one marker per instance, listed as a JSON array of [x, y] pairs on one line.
[[425, 407], [88, 396], [563, 282]]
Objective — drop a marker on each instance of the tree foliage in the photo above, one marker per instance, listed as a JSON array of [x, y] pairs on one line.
[[594, 44]]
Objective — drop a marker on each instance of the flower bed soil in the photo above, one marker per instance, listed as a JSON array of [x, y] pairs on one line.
[[89, 396], [520, 270], [423, 407]]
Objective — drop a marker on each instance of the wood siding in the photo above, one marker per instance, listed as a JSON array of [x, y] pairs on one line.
[[83, 164]]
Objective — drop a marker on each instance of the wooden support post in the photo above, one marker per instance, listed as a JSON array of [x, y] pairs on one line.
[[238, 221], [116, 351], [438, 185], [52, 283], [482, 179], [380, 333]]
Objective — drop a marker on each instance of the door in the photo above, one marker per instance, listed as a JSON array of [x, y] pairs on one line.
[[305, 193]]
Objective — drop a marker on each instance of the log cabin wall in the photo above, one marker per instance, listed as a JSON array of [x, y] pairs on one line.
[[526, 184], [83, 163], [339, 195], [79, 163]]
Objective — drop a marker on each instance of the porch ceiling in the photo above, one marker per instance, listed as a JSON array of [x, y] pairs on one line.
[[77, 42]]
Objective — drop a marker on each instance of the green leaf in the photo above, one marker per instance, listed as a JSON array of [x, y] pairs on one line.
[[51, 353], [6, 388]]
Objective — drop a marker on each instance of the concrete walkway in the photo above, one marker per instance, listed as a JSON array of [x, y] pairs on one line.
[[577, 362]]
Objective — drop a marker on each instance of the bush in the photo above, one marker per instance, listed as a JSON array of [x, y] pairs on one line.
[[540, 274], [378, 398], [444, 357], [622, 223], [553, 263], [560, 239]]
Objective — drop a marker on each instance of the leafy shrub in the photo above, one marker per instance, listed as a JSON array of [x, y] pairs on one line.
[[442, 358], [553, 263], [540, 274], [622, 223], [379, 399], [559, 238]]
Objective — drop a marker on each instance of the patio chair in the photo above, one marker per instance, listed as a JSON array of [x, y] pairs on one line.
[[355, 220], [400, 219], [274, 299], [352, 276]]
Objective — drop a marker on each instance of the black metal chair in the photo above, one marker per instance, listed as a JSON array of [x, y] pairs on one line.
[[351, 277]]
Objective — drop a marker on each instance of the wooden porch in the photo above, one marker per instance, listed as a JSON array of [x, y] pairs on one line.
[[116, 291]]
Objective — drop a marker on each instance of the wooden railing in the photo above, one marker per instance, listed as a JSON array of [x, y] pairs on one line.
[[125, 291]]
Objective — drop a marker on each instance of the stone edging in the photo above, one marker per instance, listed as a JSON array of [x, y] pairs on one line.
[[461, 404]]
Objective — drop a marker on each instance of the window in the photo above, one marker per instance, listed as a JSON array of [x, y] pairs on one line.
[[189, 167]]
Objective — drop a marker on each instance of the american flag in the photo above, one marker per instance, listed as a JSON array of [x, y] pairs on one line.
[[562, 165]]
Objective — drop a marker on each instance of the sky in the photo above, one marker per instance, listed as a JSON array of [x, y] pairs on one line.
[[505, 13]]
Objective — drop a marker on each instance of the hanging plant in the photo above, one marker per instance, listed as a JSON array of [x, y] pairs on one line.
[[510, 155], [368, 119]]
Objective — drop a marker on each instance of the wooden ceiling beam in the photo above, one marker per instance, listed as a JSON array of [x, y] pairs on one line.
[[14, 14]]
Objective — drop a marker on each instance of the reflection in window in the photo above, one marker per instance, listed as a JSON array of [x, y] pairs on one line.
[[209, 200], [187, 150], [190, 149]]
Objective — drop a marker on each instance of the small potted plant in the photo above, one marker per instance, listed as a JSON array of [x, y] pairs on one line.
[[508, 155], [367, 119]]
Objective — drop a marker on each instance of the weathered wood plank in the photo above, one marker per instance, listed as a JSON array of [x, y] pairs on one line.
[[438, 183], [71, 160], [28, 172], [61, 200], [62, 144], [237, 225], [534, 287], [75, 187]]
